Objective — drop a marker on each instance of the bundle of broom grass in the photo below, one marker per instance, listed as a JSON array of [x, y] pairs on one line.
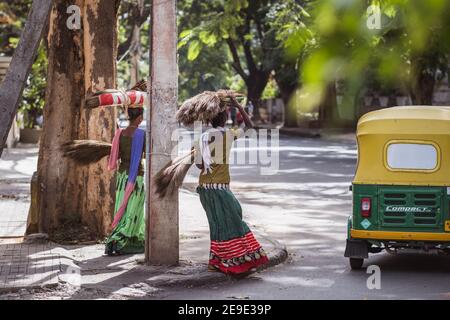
[[170, 178], [85, 152], [203, 107]]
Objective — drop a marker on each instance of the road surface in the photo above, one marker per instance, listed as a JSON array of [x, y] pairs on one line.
[[306, 205]]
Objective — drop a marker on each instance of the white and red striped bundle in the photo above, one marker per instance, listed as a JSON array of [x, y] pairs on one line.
[[113, 98], [129, 98]]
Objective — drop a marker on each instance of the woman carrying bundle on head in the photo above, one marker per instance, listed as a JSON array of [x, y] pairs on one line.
[[127, 153], [234, 249]]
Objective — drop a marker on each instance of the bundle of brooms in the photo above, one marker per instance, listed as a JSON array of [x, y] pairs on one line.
[[203, 107], [85, 152]]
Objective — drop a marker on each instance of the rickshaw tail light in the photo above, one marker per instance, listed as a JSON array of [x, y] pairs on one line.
[[366, 207]]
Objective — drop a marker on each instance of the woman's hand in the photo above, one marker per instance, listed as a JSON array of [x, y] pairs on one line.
[[234, 103]]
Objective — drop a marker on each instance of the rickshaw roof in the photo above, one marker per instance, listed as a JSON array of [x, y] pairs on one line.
[[416, 125], [407, 119]]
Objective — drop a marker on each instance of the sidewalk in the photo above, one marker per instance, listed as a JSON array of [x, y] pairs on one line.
[[16, 168], [43, 269]]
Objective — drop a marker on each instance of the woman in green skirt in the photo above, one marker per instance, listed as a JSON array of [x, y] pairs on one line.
[[127, 153], [234, 249]]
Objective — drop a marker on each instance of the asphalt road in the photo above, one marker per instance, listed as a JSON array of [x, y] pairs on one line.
[[305, 205]]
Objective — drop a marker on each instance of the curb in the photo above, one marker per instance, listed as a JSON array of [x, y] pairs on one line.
[[277, 256]]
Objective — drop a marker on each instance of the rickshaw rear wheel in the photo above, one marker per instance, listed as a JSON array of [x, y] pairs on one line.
[[356, 263]]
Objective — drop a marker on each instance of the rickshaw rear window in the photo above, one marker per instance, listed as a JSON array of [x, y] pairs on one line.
[[412, 156]]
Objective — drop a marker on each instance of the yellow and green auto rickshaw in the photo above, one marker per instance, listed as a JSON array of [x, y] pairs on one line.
[[401, 189]]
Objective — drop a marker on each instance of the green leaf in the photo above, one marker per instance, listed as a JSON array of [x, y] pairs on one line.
[[306, 14], [182, 43], [186, 33], [194, 50], [208, 38]]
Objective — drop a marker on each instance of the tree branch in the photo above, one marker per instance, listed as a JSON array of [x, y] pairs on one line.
[[247, 47], [138, 16], [236, 60]]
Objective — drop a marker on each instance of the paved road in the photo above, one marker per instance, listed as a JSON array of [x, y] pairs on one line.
[[305, 205]]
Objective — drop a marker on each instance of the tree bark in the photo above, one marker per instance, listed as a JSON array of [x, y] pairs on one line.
[[135, 48], [328, 106], [422, 85], [80, 63], [256, 83], [287, 80]]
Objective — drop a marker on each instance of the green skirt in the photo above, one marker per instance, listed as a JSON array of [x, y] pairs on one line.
[[234, 249], [129, 235]]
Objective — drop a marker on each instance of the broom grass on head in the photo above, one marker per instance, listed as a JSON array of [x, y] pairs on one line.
[[85, 152], [205, 106]]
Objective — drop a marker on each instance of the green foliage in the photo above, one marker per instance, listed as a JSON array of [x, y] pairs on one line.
[[256, 35], [14, 15], [33, 100], [34, 93], [204, 61], [129, 14], [413, 39]]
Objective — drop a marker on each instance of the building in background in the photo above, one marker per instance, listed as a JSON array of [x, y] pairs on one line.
[[14, 133]]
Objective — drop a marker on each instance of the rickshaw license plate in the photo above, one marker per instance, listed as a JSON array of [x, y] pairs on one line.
[[447, 225]]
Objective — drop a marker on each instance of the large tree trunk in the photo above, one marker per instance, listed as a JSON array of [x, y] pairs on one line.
[[80, 62], [256, 83]]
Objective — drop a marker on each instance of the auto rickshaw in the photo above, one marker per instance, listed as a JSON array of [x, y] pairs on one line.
[[401, 189]]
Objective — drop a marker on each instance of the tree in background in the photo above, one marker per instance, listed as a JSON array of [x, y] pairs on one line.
[[256, 35], [242, 26], [289, 20], [409, 48], [133, 40]]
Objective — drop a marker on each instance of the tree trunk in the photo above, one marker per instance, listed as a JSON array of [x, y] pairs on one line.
[[422, 89], [287, 81], [80, 62], [290, 109], [256, 83], [328, 106], [135, 47]]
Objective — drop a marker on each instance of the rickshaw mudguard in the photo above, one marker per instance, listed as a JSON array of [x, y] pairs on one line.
[[355, 248]]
